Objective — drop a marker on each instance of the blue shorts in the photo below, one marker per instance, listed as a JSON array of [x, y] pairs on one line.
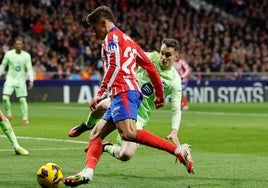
[[184, 85], [123, 106]]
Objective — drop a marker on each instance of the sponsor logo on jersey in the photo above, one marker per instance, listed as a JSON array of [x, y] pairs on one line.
[[112, 46], [147, 89]]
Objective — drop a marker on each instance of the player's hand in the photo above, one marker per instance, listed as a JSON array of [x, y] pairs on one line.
[[159, 102], [30, 86], [173, 136], [94, 103]]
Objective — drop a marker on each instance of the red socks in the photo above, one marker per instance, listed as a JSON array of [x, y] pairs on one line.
[[146, 138], [184, 101], [143, 137], [93, 153]]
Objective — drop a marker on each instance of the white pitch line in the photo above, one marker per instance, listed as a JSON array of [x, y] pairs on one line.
[[52, 139], [49, 139], [218, 113], [44, 149]]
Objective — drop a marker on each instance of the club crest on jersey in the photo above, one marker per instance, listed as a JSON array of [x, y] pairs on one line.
[[147, 89], [18, 68], [112, 46]]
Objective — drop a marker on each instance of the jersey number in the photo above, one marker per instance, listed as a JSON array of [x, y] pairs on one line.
[[130, 54]]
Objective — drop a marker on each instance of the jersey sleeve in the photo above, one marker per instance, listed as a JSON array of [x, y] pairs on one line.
[[145, 63], [29, 68], [113, 67], [4, 64], [175, 115], [175, 98]]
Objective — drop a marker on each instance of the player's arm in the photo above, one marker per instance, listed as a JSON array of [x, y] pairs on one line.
[[112, 70], [175, 112], [29, 68], [110, 74], [186, 68], [146, 64], [3, 64], [175, 122]]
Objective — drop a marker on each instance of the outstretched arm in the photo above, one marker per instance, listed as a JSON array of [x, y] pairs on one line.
[[175, 122], [150, 68]]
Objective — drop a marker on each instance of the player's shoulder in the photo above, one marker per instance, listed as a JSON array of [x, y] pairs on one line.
[[154, 56], [173, 70], [116, 38], [153, 53], [10, 51], [118, 35], [174, 73], [27, 54]]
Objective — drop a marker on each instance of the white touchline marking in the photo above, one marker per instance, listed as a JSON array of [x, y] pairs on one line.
[[63, 107], [43, 149], [47, 139], [52, 139], [218, 113]]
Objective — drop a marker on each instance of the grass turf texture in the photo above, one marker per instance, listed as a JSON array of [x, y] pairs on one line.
[[229, 147]]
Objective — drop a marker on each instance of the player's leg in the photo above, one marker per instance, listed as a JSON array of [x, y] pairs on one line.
[[97, 114], [123, 152], [184, 100], [128, 131], [21, 94], [94, 151], [7, 91], [24, 110], [9, 132], [92, 119], [7, 106]]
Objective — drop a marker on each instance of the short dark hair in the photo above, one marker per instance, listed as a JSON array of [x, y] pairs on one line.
[[98, 13], [172, 43], [19, 38]]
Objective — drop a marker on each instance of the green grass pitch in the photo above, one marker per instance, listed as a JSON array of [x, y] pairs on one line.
[[229, 147]]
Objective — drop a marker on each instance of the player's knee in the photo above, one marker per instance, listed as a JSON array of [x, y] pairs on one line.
[[125, 156], [7, 129], [22, 99], [127, 136], [5, 98]]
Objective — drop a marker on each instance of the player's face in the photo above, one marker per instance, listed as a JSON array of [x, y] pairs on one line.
[[99, 29], [168, 56], [18, 46]]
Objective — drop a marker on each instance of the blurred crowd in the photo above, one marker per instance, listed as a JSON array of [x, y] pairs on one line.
[[231, 40]]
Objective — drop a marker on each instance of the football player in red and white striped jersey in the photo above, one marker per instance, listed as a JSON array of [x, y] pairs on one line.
[[184, 71], [121, 56]]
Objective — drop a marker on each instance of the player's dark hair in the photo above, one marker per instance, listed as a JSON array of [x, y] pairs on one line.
[[98, 13], [19, 38], [172, 43]]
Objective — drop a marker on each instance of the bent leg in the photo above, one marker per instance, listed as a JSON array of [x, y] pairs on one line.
[[92, 119], [7, 105], [94, 150], [124, 152], [128, 132], [96, 115], [8, 131]]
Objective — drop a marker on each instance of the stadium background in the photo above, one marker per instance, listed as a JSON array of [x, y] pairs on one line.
[[224, 42], [229, 141]]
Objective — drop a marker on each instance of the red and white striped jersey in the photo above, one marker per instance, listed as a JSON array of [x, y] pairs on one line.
[[121, 56], [183, 69]]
